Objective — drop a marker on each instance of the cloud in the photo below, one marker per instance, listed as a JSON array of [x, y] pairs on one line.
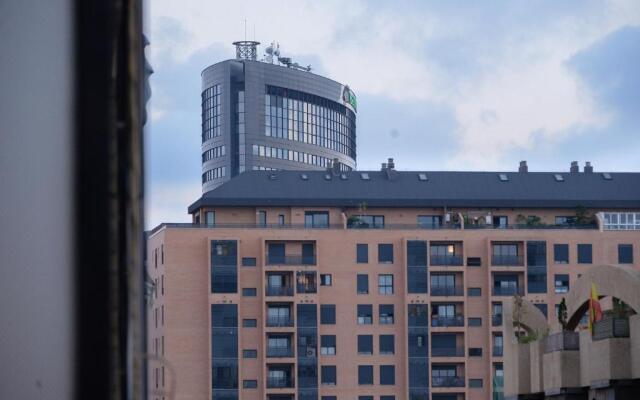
[[169, 202]]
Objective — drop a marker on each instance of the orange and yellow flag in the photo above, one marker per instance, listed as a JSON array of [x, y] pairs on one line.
[[595, 311]]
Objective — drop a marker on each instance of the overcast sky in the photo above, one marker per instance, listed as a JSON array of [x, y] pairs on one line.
[[447, 85]]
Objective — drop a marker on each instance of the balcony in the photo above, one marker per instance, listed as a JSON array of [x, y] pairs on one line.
[[306, 288], [496, 320], [447, 352], [291, 259], [497, 351], [278, 290], [281, 352], [279, 382], [438, 290], [447, 381], [279, 321], [507, 291], [504, 260], [446, 260], [457, 320]]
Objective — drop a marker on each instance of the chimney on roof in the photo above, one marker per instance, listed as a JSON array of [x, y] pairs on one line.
[[391, 164], [574, 167], [588, 168], [523, 166]]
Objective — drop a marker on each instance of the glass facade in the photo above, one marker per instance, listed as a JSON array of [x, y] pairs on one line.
[[307, 315], [215, 173], [537, 267], [224, 351], [418, 327], [216, 152], [211, 113], [298, 116], [224, 266], [292, 155]]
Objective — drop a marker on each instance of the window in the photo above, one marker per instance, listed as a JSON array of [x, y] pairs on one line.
[[210, 218], [328, 345], [281, 220], [565, 220], [249, 384], [500, 221], [389, 397], [366, 221], [474, 262], [385, 284], [561, 253], [387, 375], [385, 253], [416, 253], [249, 323], [387, 344], [385, 314], [585, 255], [248, 261], [625, 254], [365, 344], [537, 267], [475, 351], [474, 292], [316, 219], [365, 374], [362, 284], [325, 279], [621, 221], [365, 397], [328, 314], [365, 314], [262, 218], [249, 292], [362, 253], [328, 375], [250, 353], [475, 321], [561, 283], [429, 221], [328, 398], [475, 383]]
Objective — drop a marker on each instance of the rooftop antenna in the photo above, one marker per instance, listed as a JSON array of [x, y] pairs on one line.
[[245, 29]]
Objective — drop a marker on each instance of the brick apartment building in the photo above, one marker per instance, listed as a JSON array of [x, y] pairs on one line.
[[377, 285]]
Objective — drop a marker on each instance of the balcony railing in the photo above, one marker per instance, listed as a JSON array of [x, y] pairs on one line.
[[457, 320], [455, 261], [437, 290], [447, 352], [306, 288], [497, 351], [279, 290], [279, 320], [292, 259], [507, 291], [279, 382], [496, 320], [507, 260], [447, 381], [279, 352]]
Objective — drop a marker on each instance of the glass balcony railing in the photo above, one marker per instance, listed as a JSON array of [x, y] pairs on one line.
[[447, 352], [507, 291], [279, 320], [438, 290], [279, 352], [447, 381], [302, 288], [457, 320], [497, 351], [507, 260], [447, 260], [291, 259], [496, 320], [279, 382], [279, 290]]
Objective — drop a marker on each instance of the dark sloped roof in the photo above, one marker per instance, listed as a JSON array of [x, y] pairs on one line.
[[442, 188]]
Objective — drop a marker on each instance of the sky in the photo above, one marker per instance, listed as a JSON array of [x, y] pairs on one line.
[[441, 85]]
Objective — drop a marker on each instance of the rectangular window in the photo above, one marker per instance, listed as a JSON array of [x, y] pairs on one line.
[[249, 384], [385, 313], [365, 344], [416, 253], [385, 253], [475, 321], [362, 284], [362, 253], [389, 397], [500, 221], [248, 261], [585, 255], [328, 345], [262, 218], [387, 375], [537, 267], [210, 218], [475, 383], [365, 314], [568, 220], [328, 398], [474, 292], [475, 351], [365, 374], [325, 279], [387, 344], [280, 220], [365, 397], [474, 262], [385, 284], [561, 253], [249, 292], [249, 323], [429, 221], [224, 272], [328, 314], [328, 375], [561, 283], [625, 254], [365, 222], [316, 219], [250, 353]]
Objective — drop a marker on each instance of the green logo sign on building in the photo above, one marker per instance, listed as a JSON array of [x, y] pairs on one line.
[[349, 98]]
